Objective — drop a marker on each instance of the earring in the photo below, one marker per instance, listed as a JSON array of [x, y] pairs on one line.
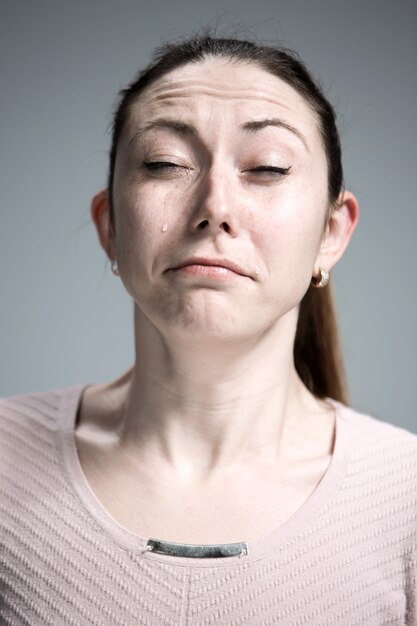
[[322, 280], [115, 267]]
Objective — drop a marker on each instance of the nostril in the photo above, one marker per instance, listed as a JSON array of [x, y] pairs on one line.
[[204, 223]]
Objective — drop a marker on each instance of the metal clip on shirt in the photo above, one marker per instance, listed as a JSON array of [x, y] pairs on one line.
[[197, 551]]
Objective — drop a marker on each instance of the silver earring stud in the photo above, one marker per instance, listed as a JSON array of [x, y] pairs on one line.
[[322, 280], [115, 267]]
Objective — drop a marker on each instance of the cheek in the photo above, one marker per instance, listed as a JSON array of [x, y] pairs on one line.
[[140, 219], [148, 205], [147, 233], [289, 235]]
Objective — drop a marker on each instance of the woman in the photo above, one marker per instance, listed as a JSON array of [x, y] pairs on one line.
[[223, 479]]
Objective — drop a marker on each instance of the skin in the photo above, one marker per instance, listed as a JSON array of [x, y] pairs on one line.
[[213, 399]]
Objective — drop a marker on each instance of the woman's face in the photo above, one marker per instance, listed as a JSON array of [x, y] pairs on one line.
[[219, 161]]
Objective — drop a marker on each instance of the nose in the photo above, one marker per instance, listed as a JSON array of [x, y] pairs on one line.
[[214, 203]]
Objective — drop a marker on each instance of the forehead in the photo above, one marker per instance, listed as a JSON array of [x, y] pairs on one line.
[[217, 86]]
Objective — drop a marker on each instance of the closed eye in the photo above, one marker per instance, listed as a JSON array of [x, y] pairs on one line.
[[271, 169], [160, 165]]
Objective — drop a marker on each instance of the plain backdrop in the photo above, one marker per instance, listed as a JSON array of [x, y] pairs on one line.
[[64, 318]]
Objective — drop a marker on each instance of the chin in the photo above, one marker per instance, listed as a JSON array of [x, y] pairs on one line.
[[205, 328]]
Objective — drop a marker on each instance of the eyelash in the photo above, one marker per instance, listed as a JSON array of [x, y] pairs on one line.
[[159, 165], [272, 169], [269, 169]]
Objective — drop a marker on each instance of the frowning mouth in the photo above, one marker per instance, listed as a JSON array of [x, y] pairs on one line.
[[210, 267]]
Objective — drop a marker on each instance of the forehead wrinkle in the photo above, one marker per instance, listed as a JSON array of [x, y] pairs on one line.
[[207, 83], [169, 98], [193, 87]]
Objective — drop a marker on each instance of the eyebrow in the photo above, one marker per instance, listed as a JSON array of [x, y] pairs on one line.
[[275, 121], [180, 127], [187, 130]]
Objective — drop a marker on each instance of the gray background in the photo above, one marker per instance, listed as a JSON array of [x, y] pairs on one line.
[[64, 318]]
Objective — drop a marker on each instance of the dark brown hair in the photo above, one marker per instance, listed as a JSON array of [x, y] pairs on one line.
[[317, 350]]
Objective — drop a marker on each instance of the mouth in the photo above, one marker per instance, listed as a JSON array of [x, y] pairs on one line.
[[218, 266]]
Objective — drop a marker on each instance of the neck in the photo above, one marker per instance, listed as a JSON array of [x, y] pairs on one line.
[[203, 407]]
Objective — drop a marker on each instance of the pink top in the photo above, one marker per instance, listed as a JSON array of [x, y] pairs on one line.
[[348, 556]]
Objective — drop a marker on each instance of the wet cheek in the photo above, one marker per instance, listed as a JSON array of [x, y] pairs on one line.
[[146, 229]]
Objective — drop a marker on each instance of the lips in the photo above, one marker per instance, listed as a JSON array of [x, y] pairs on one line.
[[214, 263]]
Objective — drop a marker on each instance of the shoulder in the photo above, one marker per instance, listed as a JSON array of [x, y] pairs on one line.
[[381, 480], [372, 434], [28, 421], [39, 406], [380, 447], [375, 503]]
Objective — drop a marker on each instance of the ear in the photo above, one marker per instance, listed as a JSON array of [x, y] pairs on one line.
[[100, 212], [339, 230]]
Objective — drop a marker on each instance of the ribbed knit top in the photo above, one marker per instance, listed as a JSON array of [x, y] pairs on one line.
[[348, 556]]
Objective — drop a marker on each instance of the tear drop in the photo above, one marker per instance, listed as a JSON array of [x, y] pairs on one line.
[[164, 227]]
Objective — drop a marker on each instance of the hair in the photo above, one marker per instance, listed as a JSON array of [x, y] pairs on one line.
[[317, 346]]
